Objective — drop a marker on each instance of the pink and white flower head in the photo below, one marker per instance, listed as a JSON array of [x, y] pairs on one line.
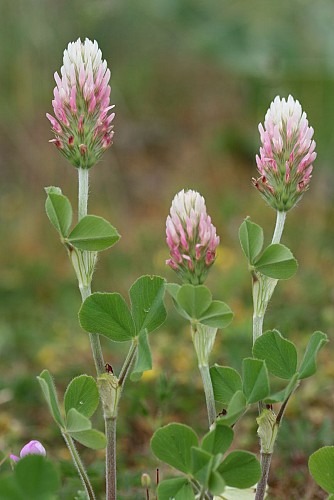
[[82, 121], [191, 237], [286, 155], [32, 448]]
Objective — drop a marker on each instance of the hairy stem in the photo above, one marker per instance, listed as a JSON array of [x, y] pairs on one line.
[[83, 177], [268, 289], [209, 396], [79, 465], [85, 290], [257, 327], [262, 484], [128, 363], [94, 338], [280, 221], [110, 428]]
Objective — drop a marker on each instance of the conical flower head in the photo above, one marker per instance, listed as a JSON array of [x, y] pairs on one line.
[[82, 123], [191, 237], [286, 155]]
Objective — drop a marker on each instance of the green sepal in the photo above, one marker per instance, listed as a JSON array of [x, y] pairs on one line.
[[277, 262], [176, 489], [308, 365], [251, 239], [279, 354], [59, 211], [240, 469], [226, 382], [49, 390], [172, 444], [93, 233], [255, 380], [83, 395]]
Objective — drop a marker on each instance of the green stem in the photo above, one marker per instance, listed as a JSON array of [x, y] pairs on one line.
[[83, 177], [280, 221], [94, 338], [110, 428], [79, 465], [111, 478], [85, 290], [257, 327], [209, 396], [263, 287], [257, 332], [262, 484], [128, 363]]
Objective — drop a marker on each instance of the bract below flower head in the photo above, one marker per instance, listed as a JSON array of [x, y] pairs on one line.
[[191, 237], [286, 155], [82, 123]]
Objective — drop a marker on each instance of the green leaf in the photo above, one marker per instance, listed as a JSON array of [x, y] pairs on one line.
[[148, 310], [284, 393], [144, 357], [251, 239], [83, 395], [9, 489], [49, 390], [218, 440], [77, 422], [240, 469], [52, 189], [94, 234], [36, 477], [321, 465], [59, 211], [201, 467], [175, 489], [238, 494], [218, 315], [226, 382], [255, 380], [91, 438], [277, 262], [308, 365], [172, 444], [172, 289], [279, 354], [235, 409], [194, 300], [216, 483], [109, 315], [81, 495]]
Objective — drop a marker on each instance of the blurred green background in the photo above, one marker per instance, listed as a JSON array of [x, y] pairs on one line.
[[191, 80]]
